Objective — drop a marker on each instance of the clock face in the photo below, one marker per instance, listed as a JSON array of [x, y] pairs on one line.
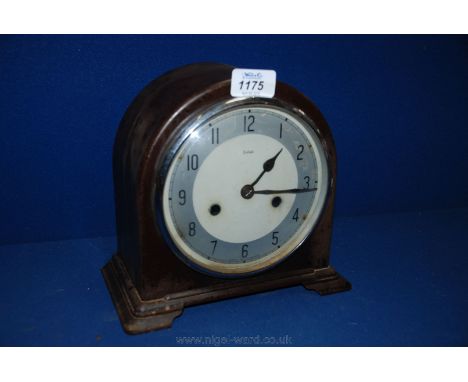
[[244, 189]]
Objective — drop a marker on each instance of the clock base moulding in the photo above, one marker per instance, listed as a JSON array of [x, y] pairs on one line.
[[139, 316], [149, 284]]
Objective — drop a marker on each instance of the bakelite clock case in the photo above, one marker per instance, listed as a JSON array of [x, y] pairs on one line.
[[149, 284]]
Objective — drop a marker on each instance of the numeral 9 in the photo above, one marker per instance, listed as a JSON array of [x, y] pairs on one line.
[[182, 197]]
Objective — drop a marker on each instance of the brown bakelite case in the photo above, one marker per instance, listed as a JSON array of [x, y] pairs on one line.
[[149, 285]]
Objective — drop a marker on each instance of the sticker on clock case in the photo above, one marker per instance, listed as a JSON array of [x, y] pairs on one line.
[[253, 83]]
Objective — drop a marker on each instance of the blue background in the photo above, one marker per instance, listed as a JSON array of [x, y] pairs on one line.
[[398, 108]]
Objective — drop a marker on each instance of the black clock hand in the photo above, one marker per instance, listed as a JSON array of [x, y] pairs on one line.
[[267, 167], [248, 190], [290, 191]]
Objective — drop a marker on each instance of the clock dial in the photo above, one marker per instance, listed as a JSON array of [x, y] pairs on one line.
[[244, 189]]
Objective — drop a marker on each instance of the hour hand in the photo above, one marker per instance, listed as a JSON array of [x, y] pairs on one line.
[[267, 167], [270, 163], [289, 191]]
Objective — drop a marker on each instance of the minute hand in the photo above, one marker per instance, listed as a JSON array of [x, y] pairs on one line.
[[290, 191]]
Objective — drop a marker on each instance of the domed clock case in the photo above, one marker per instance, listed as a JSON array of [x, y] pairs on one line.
[[150, 283]]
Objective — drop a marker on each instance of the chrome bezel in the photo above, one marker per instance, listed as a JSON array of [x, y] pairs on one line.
[[193, 122]]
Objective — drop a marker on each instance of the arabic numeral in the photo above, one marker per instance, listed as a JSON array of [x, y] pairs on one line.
[[215, 135], [247, 84], [182, 197], [214, 242], [296, 214], [307, 181], [192, 231], [251, 85], [192, 162], [274, 239], [299, 154], [245, 250], [248, 122]]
